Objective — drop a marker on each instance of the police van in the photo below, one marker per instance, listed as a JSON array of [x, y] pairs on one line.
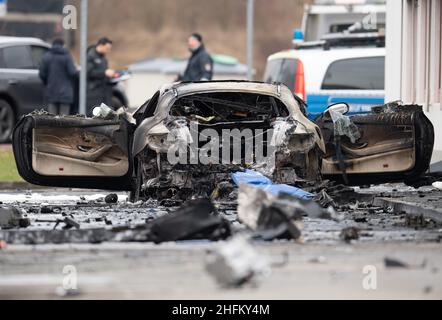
[[339, 68]]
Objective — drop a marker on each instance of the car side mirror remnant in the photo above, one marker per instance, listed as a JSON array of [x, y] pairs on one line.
[[340, 107]]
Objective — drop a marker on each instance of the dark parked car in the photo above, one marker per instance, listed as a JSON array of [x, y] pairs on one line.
[[21, 90]]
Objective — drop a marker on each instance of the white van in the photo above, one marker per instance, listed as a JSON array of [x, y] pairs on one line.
[[322, 75]]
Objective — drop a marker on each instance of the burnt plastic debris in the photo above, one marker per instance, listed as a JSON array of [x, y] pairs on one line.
[[69, 223], [11, 217], [394, 263], [277, 217], [349, 234], [268, 216], [195, 220], [111, 198], [46, 209], [236, 262]]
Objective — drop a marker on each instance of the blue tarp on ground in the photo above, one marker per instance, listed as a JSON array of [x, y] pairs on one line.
[[258, 180]]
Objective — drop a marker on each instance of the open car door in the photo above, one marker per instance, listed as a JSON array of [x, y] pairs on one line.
[[74, 152], [392, 143]]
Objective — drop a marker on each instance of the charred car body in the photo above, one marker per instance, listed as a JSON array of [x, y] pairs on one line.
[[189, 137]]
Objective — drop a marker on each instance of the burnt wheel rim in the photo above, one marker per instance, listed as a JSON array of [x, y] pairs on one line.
[[6, 122]]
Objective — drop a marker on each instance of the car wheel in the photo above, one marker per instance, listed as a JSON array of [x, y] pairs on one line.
[[7, 121]]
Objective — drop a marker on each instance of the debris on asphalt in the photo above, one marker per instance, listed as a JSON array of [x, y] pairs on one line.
[[268, 216], [111, 198], [324, 199], [69, 223], [319, 259], [196, 219], [46, 209], [437, 185], [11, 217], [394, 263], [348, 234], [236, 262]]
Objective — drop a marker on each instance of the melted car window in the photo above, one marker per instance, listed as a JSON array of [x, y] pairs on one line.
[[229, 107]]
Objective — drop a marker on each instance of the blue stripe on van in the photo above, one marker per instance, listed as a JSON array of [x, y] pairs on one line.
[[317, 103]]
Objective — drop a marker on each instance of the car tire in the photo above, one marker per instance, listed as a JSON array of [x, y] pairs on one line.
[[7, 121]]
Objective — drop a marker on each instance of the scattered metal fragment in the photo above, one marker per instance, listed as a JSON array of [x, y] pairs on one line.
[[324, 199], [320, 259], [11, 217], [349, 234], [236, 263], [69, 223], [394, 263], [270, 217], [46, 209], [111, 198], [196, 219]]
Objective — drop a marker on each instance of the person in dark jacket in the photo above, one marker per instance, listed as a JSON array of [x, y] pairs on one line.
[[200, 65], [58, 73], [99, 89]]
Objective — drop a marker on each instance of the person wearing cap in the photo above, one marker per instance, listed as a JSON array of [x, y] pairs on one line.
[[58, 73], [200, 64], [99, 75]]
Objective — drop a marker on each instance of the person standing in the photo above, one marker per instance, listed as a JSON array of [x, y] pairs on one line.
[[99, 89], [58, 73], [200, 64]]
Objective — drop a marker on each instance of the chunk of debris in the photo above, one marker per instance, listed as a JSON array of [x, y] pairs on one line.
[[3, 244], [196, 219], [11, 217], [394, 263], [111, 198], [324, 199], [46, 209], [69, 223], [319, 259], [236, 263], [437, 185], [270, 217], [349, 234]]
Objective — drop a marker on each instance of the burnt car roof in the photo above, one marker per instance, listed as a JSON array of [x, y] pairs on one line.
[[169, 93]]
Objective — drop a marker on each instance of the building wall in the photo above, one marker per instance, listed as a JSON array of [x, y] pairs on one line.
[[413, 68]]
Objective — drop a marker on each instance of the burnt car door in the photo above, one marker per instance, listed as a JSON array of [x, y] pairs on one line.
[[392, 143], [74, 152]]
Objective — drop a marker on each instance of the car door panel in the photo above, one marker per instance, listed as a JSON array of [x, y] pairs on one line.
[[74, 152], [395, 144]]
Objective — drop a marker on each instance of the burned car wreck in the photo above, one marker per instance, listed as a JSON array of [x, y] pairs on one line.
[[189, 138]]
